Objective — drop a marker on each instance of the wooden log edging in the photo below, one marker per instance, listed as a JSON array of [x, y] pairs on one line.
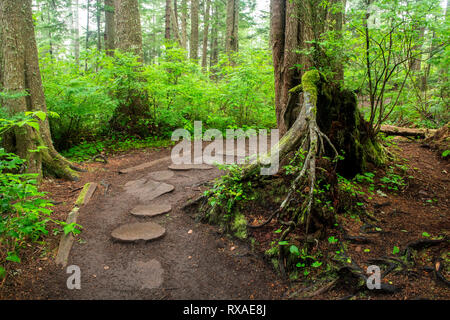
[[66, 242]]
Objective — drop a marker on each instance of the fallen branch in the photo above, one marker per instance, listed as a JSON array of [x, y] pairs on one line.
[[407, 132]]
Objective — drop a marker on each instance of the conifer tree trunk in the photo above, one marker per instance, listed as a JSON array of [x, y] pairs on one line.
[[128, 26], [184, 24], [129, 114], [232, 36], [205, 35], [193, 46], [109, 27], [20, 75], [167, 19]]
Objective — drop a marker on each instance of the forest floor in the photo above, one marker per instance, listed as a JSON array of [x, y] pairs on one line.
[[195, 261]]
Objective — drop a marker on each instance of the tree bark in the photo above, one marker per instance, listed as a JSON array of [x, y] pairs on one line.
[[184, 24], [167, 19], [20, 75], [129, 114], [193, 47], [205, 36], [99, 30], [214, 56], [174, 21], [232, 36], [110, 33], [76, 32], [128, 27]]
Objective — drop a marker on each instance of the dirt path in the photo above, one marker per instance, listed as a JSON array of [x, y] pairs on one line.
[[184, 264]]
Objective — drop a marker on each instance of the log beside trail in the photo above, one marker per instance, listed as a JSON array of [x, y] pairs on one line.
[[407, 132]]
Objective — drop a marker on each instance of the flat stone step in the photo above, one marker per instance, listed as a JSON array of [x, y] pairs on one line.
[[147, 189], [161, 175], [150, 210], [132, 232], [185, 167]]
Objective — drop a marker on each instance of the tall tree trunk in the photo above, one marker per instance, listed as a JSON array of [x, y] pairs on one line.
[[20, 75], [184, 24], [128, 26], [174, 21], [99, 30], [232, 36], [194, 30], [87, 33], [205, 35], [110, 33], [167, 19], [129, 115], [335, 24], [299, 25], [76, 32], [214, 37]]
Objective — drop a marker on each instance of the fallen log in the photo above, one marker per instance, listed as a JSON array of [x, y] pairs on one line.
[[407, 132]]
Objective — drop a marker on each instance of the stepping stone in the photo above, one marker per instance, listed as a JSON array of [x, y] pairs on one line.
[[161, 175], [185, 167], [138, 231], [139, 275], [147, 189], [150, 210]]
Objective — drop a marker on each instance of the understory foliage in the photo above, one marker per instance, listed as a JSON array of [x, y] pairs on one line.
[[24, 211], [177, 92]]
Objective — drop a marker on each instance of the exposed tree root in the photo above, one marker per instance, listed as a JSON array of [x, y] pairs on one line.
[[438, 272], [420, 244]]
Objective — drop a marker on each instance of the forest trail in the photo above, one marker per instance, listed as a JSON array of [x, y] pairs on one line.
[[194, 261], [191, 261]]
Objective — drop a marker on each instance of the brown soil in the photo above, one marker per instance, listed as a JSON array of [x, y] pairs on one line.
[[204, 264]]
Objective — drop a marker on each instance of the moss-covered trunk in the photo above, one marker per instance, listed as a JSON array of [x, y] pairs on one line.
[[21, 77]]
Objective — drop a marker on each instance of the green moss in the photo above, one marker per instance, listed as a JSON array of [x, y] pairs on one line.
[[82, 195], [239, 226], [310, 81], [297, 89]]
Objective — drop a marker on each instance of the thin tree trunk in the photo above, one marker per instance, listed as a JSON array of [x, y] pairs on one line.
[[205, 35], [232, 36], [87, 32], [194, 30], [99, 31], [174, 21], [214, 38], [76, 33], [167, 19], [109, 27], [184, 24]]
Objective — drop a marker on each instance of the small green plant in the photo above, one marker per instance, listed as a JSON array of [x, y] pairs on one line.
[[332, 240], [395, 250]]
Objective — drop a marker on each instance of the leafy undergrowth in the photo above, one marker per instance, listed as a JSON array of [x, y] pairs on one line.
[[25, 213]]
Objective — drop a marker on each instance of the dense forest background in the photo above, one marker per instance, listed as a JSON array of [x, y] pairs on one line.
[[211, 61]]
